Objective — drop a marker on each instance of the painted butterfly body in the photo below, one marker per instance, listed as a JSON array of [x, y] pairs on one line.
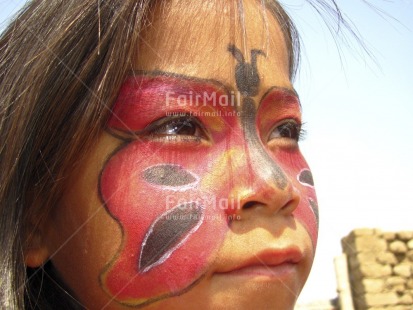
[[246, 74]]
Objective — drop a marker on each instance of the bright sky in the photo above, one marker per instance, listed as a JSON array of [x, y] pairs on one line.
[[359, 122], [360, 128]]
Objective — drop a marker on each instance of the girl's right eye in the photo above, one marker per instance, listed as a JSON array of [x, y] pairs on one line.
[[178, 127]]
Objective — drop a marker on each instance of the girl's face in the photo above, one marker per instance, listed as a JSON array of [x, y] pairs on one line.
[[196, 194]]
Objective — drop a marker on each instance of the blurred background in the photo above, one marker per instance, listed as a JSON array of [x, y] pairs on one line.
[[358, 110]]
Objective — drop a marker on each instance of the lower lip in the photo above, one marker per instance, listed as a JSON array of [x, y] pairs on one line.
[[272, 272]]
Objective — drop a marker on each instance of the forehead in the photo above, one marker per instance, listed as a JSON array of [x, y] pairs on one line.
[[192, 37]]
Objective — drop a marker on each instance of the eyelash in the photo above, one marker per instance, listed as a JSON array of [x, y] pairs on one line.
[[289, 129], [171, 128]]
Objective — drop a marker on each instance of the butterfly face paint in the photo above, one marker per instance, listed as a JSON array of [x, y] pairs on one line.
[[179, 157], [274, 165], [154, 185], [289, 157]]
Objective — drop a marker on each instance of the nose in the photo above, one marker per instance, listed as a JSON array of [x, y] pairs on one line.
[[257, 190], [260, 182]]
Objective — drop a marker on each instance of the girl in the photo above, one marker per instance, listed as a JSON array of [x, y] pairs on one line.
[[150, 159]]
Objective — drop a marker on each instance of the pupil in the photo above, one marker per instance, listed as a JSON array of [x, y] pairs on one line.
[[183, 127], [288, 131]]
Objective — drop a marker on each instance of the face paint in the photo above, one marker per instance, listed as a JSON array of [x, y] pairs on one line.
[[159, 186], [167, 233], [260, 159], [247, 80], [170, 176], [314, 206], [144, 99], [246, 74], [153, 187], [305, 177], [284, 104]]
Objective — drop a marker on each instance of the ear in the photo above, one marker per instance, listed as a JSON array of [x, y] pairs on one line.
[[36, 250]]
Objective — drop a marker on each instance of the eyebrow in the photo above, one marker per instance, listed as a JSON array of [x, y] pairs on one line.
[[281, 90], [200, 92], [287, 90], [217, 85]]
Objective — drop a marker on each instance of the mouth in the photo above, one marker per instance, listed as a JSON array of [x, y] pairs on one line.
[[269, 263]]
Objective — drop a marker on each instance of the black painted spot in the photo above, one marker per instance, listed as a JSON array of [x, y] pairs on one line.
[[314, 206], [167, 232], [306, 177], [246, 74], [168, 175]]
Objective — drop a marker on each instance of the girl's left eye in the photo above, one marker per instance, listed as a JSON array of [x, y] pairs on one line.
[[178, 126], [288, 130]]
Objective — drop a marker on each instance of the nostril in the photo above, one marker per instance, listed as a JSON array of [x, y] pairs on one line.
[[250, 204], [290, 206]]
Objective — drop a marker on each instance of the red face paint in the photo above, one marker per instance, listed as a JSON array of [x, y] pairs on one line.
[[142, 100], [285, 105], [171, 227], [166, 194]]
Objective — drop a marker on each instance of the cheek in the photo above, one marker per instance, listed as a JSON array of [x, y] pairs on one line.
[[170, 232], [297, 170]]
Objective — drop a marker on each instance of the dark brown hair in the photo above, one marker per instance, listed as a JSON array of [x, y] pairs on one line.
[[61, 66]]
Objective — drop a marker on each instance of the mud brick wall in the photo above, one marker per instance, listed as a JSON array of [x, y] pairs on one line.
[[380, 269]]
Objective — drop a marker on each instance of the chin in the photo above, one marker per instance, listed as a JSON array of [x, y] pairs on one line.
[[258, 295]]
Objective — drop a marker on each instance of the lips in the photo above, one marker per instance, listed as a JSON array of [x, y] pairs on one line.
[[269, 262]]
